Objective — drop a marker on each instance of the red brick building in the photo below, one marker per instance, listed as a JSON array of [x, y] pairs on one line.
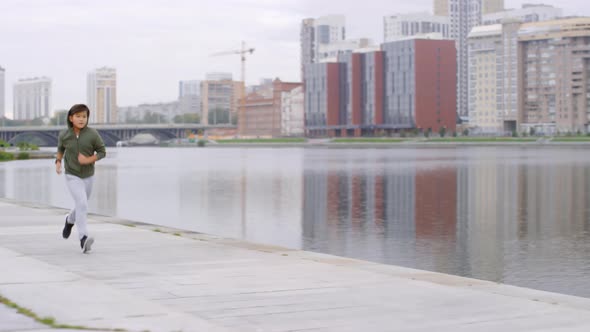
[[262, 111]]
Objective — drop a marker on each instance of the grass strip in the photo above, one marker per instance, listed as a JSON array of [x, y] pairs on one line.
[[49, 321], [263, 140], [481, 139], [367, 140], [571, 139]]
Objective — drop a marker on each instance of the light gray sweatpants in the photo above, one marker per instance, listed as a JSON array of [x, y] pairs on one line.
[[80, 190]]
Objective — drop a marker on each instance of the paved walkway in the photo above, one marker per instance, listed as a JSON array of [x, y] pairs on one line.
[[139, 279]]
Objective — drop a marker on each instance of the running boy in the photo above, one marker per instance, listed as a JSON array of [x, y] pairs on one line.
[[77, 146]]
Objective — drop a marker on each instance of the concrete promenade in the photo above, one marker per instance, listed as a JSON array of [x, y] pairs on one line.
[[143, 277]]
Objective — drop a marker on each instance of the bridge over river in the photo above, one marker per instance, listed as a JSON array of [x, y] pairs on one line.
[[111, 133]]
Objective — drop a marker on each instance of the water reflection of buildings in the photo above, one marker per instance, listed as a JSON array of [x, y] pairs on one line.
[[504, 218], [246, 195], [522, 218], [36, 181], [390, 213]]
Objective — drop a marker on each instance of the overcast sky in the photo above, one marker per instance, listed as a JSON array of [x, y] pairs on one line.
[[155, 43]]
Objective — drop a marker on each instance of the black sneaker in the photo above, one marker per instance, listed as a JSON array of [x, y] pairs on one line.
[[86, 244], [67, 229]]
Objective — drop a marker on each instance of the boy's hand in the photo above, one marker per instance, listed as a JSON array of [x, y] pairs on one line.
[[58, 167], [83, 160]]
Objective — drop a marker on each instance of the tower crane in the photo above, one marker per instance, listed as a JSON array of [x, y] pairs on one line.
[[242, 52]]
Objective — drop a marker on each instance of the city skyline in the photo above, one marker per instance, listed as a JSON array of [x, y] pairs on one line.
[[154, 45]]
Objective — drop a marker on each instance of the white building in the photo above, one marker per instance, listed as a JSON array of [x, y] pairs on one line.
[[191, 87], [327, 52], [32, 98], [493, 73], [464, 14], [491, 6], [2, 89], [528, 13], [292, 113], [101, 95], [189, 96], [316, 32], [396, 27]]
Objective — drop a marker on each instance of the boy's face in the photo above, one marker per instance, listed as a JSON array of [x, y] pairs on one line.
[[79, 119]]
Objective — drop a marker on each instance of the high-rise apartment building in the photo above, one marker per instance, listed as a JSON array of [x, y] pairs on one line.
[[493, 76], [527, 14], [319, 31], [396, 27], [554, 75], [441, 7], [464, 14], [218, 76], [2, 91], [491, 6], [32, 98], [445, 7], [189, 96], [332, 50], [220, 101], [420, 81], [101, 95], [306, 38]]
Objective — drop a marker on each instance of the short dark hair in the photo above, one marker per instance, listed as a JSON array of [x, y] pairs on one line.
[[77, 109]]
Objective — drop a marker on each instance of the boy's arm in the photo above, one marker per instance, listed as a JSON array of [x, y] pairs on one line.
[[60, 145]]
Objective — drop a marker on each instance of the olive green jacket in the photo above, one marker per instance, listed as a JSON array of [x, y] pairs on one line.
[[88, 142]]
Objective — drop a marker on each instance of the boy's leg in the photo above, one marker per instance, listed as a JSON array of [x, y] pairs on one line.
[[77, 187], [71, 216], [88, 190]]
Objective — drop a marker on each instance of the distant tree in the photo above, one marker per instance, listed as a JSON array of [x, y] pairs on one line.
[[132, 119], [187, 118], [153, 117], [465, 132], [532, 131], [18, 123], [442, 131]]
